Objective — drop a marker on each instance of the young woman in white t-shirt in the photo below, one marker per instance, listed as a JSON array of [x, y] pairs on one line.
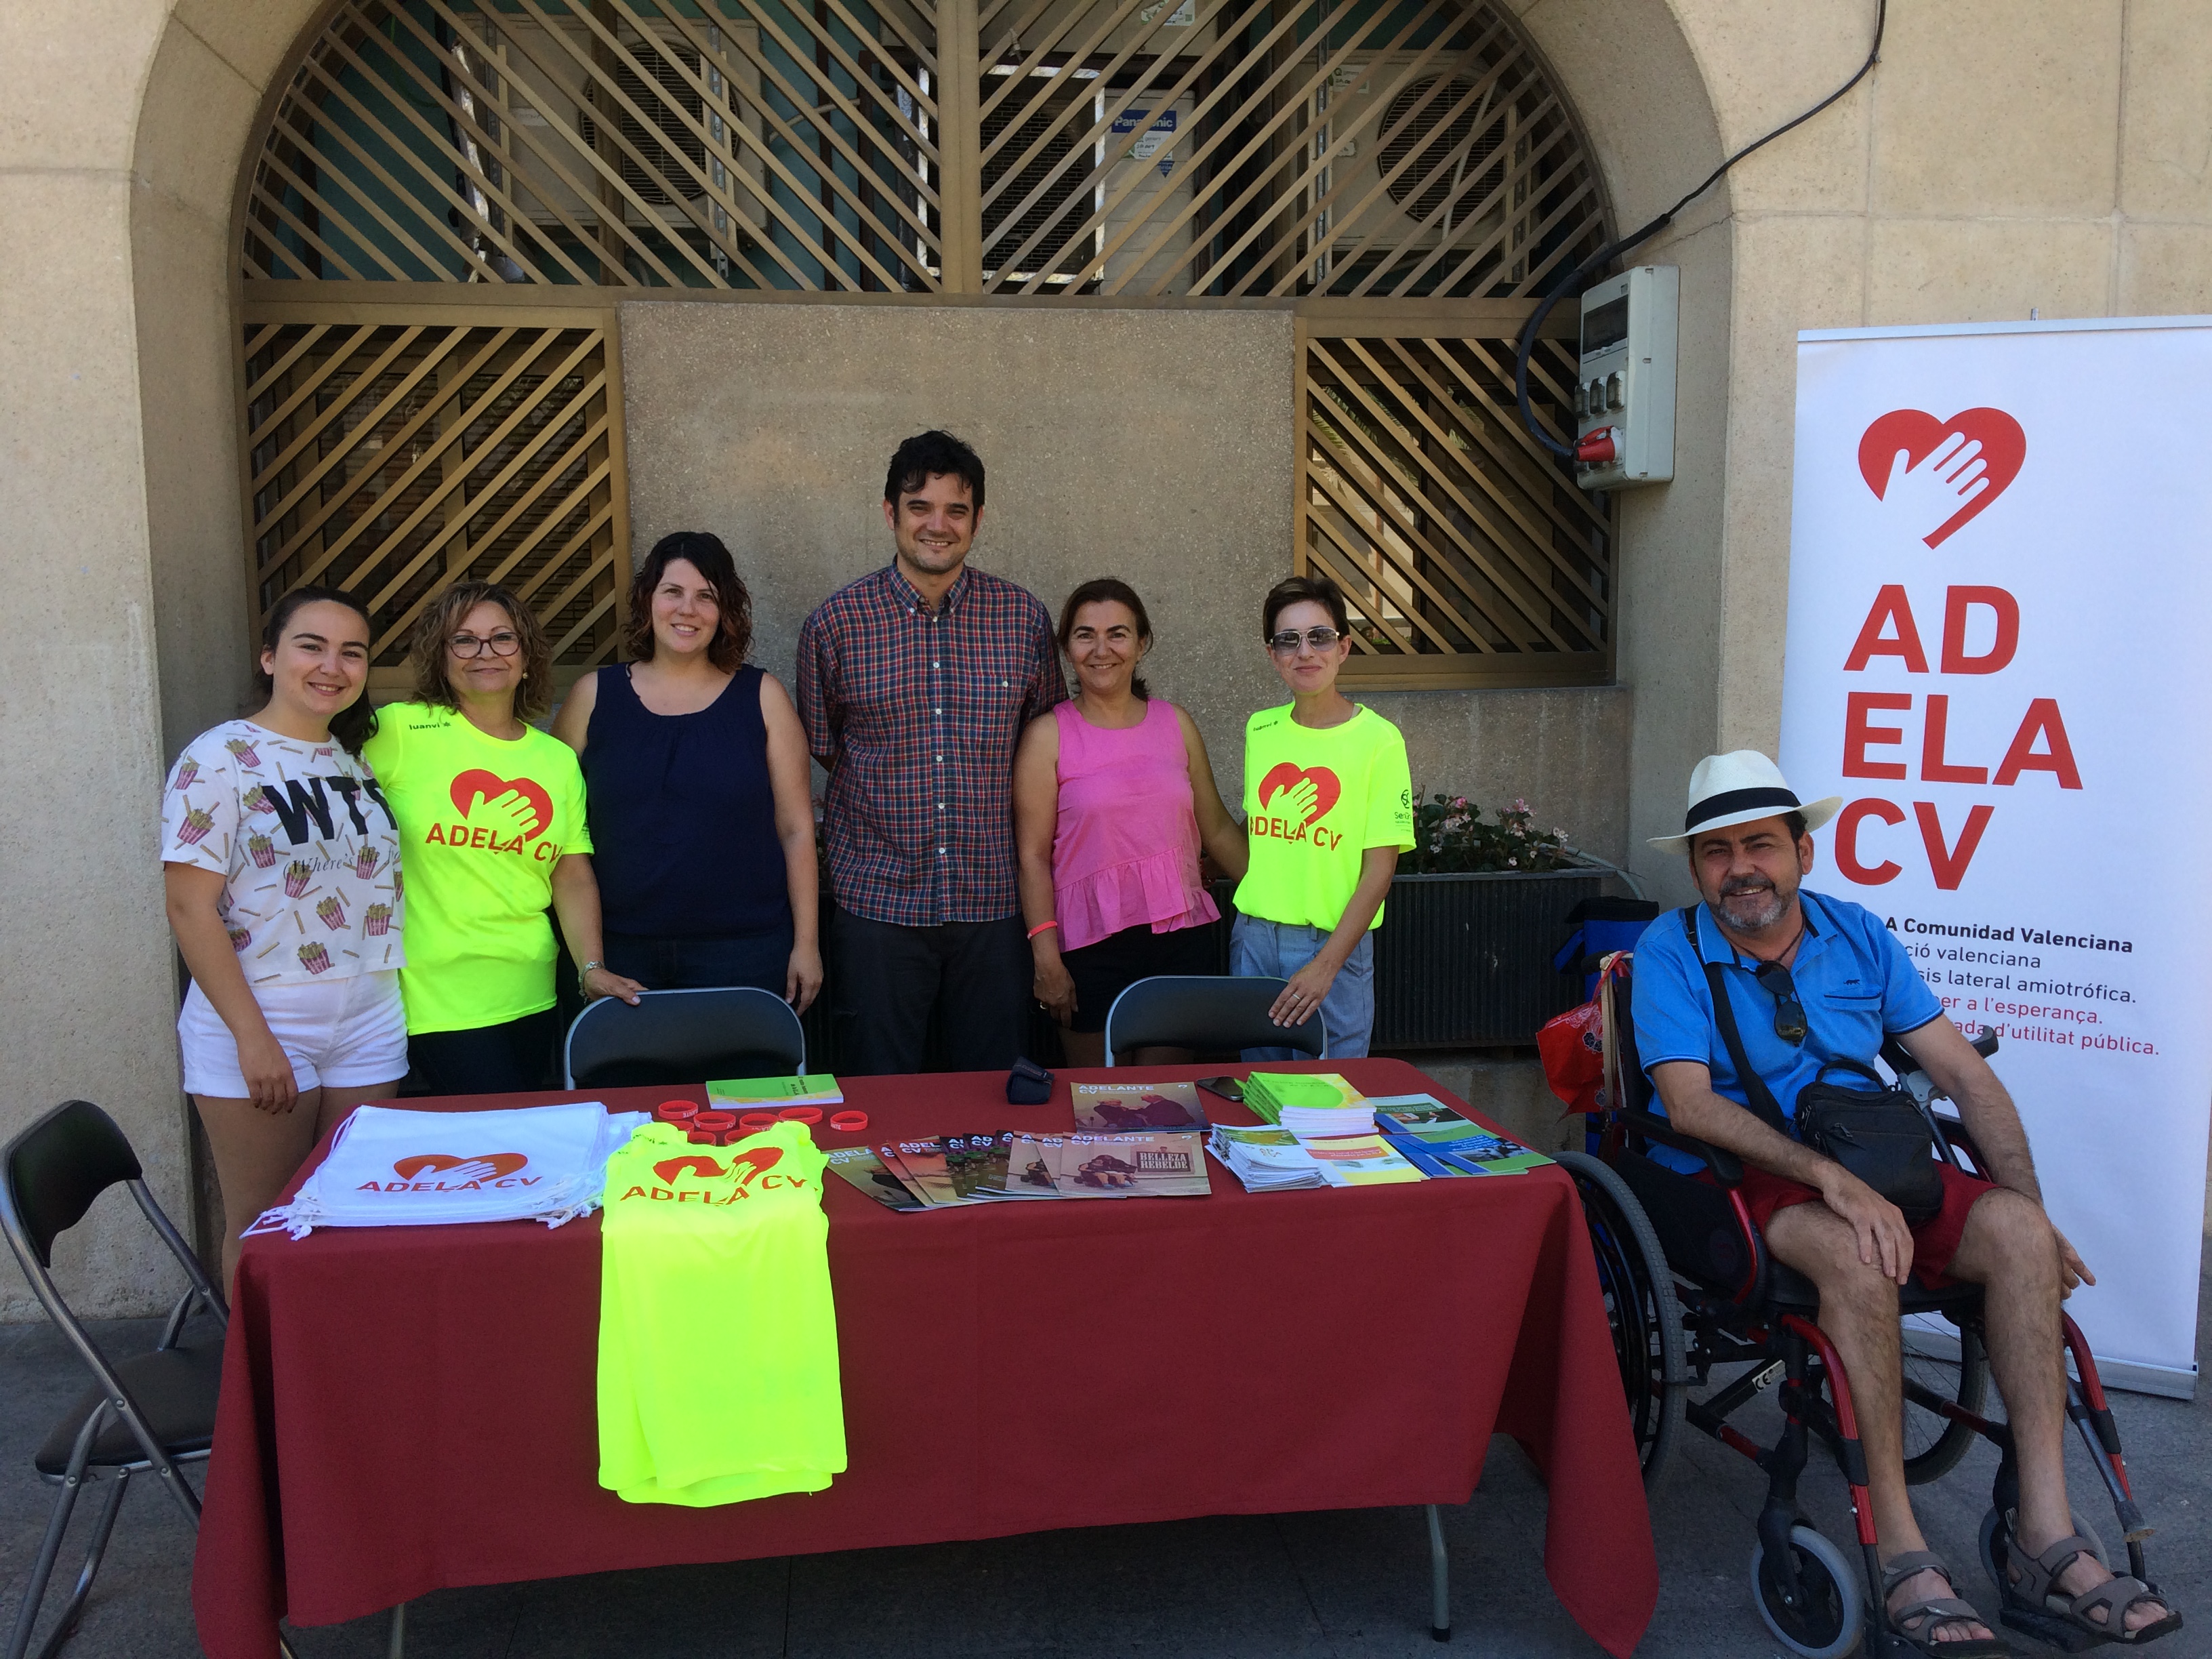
[[282, 865]]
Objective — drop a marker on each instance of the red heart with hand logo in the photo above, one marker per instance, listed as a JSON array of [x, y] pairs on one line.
[[1284, 775], [1916, 432], [706, 1168], [498, 1163], [476, 781]]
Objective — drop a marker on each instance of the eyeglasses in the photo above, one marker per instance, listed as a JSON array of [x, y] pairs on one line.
[[501, 644], [1790, 1023], [1286, 644]]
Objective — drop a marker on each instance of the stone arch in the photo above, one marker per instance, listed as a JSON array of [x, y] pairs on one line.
[[205, 81]]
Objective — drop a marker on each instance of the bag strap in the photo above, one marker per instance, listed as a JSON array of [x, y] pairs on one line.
[[1762, 1100]]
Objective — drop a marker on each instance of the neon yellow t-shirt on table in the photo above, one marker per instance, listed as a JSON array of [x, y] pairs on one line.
[[483, 821], [1315, 800], [718, 1375]]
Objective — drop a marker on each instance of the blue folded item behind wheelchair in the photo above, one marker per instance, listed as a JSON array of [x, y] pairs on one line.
[[1691, 1289]]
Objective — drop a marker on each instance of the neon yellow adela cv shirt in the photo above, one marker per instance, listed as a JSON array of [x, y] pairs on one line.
[[718, 1377], [1315, 802], [483, 821]]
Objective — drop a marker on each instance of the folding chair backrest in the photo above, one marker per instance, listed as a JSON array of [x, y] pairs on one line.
[[50, 1174], [56, 1167], [685, 1036], [1213, 1014]]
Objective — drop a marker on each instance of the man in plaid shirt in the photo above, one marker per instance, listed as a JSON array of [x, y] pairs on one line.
[[915, 683]]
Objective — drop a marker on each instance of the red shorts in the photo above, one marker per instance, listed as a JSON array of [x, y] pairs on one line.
[[1935, 1241]]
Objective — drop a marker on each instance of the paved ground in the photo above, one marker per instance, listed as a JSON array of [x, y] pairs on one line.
[[1339, 1584]]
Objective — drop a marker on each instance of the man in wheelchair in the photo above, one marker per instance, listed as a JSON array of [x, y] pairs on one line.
[[1811, 983]]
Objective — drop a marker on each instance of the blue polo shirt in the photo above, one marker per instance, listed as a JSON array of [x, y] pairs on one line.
[[1854, 978]]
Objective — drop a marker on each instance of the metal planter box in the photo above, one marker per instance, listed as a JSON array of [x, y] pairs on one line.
[[1465, 960]]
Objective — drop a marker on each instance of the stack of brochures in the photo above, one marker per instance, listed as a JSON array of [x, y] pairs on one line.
[[946, 1172], [1267, 1158], [1309, 1103], [737, 1093], [1440, 1141]]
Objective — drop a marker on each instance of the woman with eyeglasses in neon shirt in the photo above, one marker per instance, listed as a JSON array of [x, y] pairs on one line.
[[1329, 805], [492, 831]]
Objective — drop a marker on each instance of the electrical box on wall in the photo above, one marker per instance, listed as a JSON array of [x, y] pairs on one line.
[[1625, 403]]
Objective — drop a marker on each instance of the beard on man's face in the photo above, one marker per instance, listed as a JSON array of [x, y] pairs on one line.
[[1751, 903]]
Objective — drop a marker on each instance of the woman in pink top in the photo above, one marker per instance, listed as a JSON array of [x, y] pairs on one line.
[[1112, 800]]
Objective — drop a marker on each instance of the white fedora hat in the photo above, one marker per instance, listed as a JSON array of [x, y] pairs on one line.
[[1739, 788]]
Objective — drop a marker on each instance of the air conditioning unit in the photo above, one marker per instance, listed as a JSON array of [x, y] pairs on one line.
[[1161, 28], [1142, 143], [545, 79], [1420, 117]]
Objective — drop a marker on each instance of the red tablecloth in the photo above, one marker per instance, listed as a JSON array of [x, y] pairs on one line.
[[406, 1409]]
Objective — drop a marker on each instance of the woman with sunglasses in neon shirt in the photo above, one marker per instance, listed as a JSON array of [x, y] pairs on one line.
[[1329, 805], [492, 832]]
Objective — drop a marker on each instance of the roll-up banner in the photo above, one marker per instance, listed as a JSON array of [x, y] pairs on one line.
[[2000, 602]]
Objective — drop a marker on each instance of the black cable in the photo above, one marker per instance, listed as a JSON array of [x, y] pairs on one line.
[[1605, 255]]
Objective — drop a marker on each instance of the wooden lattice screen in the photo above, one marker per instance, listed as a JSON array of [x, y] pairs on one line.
[[606, 143], [1229, 148], [393, 457], [1406, 173], [1470, 556]]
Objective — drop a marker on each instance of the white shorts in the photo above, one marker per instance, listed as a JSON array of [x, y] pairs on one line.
[[338, 1034]]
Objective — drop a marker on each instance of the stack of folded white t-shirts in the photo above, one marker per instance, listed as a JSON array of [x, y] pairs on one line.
[[389, 1168]]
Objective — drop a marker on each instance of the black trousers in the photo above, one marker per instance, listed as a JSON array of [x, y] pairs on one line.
[[973, 977], [513, 1058]]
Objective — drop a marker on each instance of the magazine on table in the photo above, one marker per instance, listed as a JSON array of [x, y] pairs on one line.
[[922, 1165], [1367, 1160], [861, 1167], [1159, 1164], [1117, 1108], [1419, 1124], [1018, 1167], [968, 1160]]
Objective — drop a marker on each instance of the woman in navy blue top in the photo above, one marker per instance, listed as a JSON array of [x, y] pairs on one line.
[[696, 779]]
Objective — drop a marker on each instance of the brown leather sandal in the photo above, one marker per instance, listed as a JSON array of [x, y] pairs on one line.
[[2036, 1589], [1918, 1621]]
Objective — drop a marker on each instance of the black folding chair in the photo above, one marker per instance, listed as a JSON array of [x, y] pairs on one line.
[[152, 1412], [683, 1036], [1212, 1014]]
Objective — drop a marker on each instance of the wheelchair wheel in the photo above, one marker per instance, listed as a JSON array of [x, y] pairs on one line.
[[1996, 1541], [1641, 1307], [1933, 1443], [1829, 1617]]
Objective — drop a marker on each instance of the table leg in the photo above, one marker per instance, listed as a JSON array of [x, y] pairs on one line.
[[1439, 1580], [397, 1648]]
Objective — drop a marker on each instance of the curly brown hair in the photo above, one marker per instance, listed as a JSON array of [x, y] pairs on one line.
[[426, 650], [705, 553]]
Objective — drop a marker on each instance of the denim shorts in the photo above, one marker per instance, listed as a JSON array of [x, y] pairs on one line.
[[1280, 949]]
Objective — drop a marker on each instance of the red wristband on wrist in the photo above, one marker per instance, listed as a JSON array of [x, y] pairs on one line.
[[1040, 926]]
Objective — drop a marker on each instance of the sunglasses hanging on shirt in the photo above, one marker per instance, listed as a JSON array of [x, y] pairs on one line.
[[1789, 1023]]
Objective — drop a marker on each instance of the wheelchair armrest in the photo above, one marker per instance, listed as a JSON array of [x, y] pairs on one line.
[[1725, 1166], [1962, 1139]]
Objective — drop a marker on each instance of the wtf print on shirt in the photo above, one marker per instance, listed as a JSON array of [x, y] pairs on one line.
[[307, 849]]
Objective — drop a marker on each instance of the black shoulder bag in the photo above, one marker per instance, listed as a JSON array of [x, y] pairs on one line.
[[1878, 1134]]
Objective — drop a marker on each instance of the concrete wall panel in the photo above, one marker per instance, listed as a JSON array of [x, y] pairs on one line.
[[85, 982], [1150, 445]]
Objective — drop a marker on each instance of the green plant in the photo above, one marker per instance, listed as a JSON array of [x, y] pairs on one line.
[[1450, 838]]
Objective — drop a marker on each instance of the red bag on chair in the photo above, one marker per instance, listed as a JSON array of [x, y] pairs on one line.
[[1573, 1050]]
